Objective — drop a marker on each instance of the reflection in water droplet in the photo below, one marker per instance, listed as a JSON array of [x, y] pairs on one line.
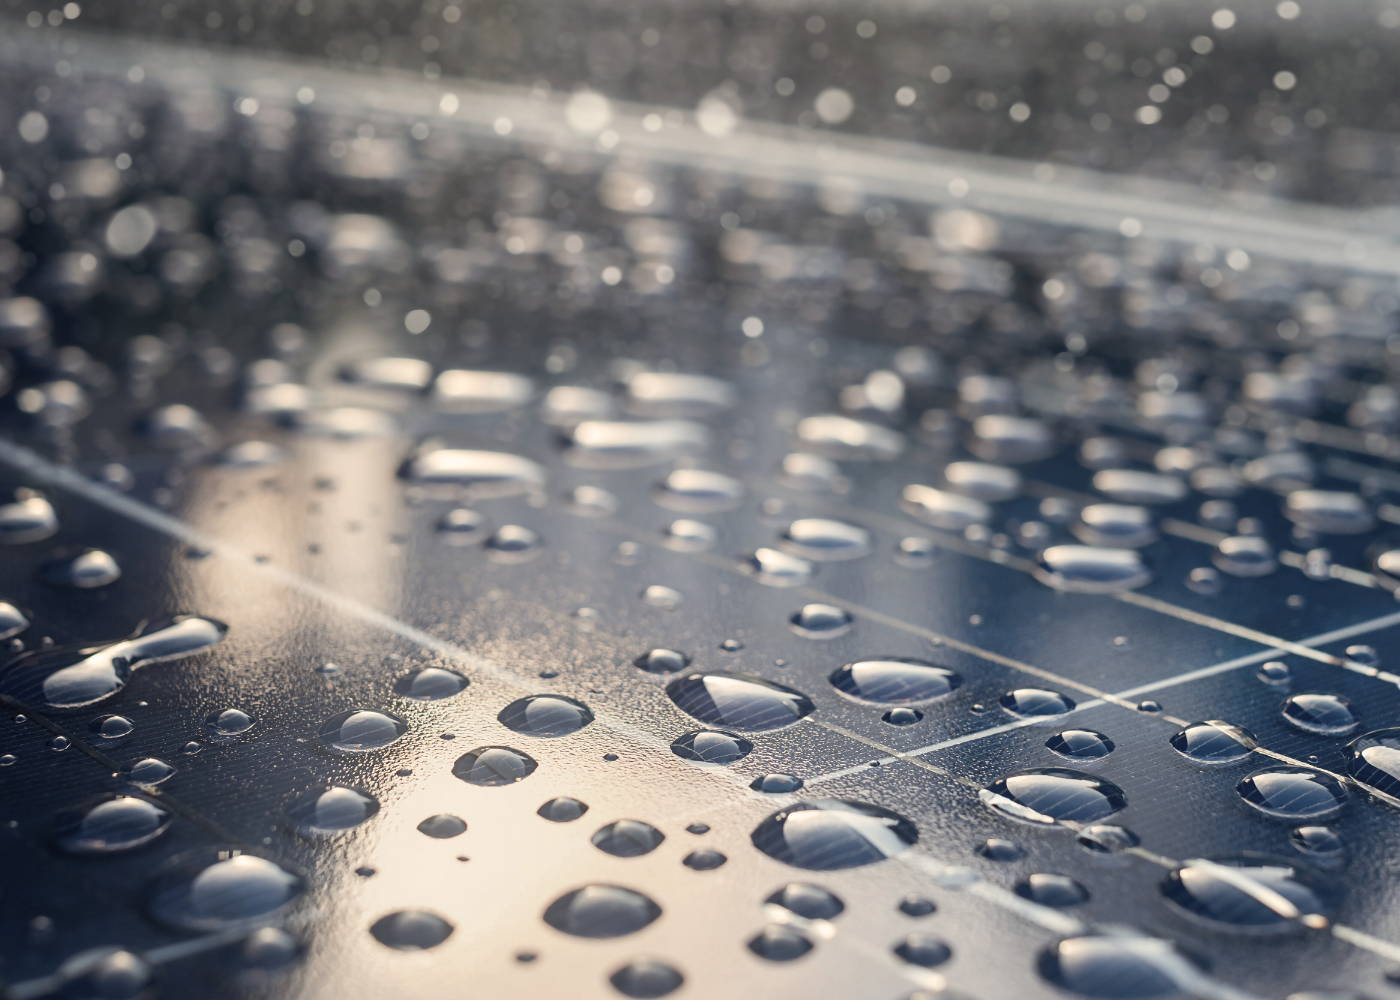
[[662, 661], [826, 540], [820, 621], [1080, 744], [780, 944], [482, 473], [1373, 762], [1091, 569], [1292, 793], [738, 701], [698, 491], [229, 722], [1053, 795], [894, 681], [776, 783], [30, 518], [1245, 555], [411, 930], [711, 746], [777, 568], [1244, 894], [74, 677], [923, 950], [493, 766], [1048, 889], [646, 979], [443, 826], [12, 620], [361, 730], [827, 834], [1117, 967], [627, 838], [214, 891], [1213, 742], [1115, 525], [111, 727], [943, 508], [563, 809], [810, 902], [1035, 703], [1324, 714], [85, 569], [117, 823], [601, 911], [332, 809], [545, 715], [431, 684]]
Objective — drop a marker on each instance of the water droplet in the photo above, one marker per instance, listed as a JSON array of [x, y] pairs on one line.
[[711, 746], [1117, 967], [917, 906], [462, 390], [923, 950], [704, 860], [332, 809], [903, 717], [820, 621], [738, 701], [1328, 512], [828, 834], [780, 944], [1035, 703], [111, 727], [269, 948], [30, 518], [627, 838], [894, 681], [601, 911], [660, 596], [1106, 838], [431, 684], [646, 979], [411, 930], [1245, 555], [1115, 525], [826, 540], [1091, 569], [117, 823], [212, 891], [686, 535], [998, 437], [1322, 844], [563, 809], [1080, 744], [1324, 714], [776, 784], [361, 730], [671, 394], [149, 771], [545, 715], [1274, 672], [229, 722], [1000, 849], [1373, 762], [85, 569], [72, 677], [513, 543], [411, 374], [493, 766], [698, 491], [1053, 795], [1048, 889], [1213, 742], [104, 974], [810, 902], [662, 661], [1244, 894], [12, 620], [460, 525], [1132, 486], [983, 480], [842, 437], [944, 509], [1292, 793], [443, 826], [482, 473], [624, 444], [777, 568]]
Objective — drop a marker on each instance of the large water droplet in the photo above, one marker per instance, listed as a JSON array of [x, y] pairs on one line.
[[118, 823], [738, 701], [627, 838], [30, 518], [710, 746], [1091, 569], [1117, 967], [411, 930], [1324, 714], [443, 826], [826, 540], [699, 491], [838, 436], [1115, 525], [431, 684], [1373, 762], [1292, 793], [1245, 894], [332, 809], [229, 722], [214, 891], [493, 766], [646, 979], [1053, 795], [894, 681], [75, 677], [623, 444], [827, 834], [562, 809], [483, 473], [545, 715], [85, 569], [943, 508], [810, 902], [601, 911], [1035, 703], [361, 730], [1213, 742]]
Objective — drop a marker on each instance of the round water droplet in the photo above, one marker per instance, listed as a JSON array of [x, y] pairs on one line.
[[332, 809], [810, 902], [1245, 555], [646, 979], [1274, 672], [117, 823], [780, 944], [704, 860], [361, 730], [1115, 525], [411, 930], [776, 784], [213, 891], [111, 727], [1000, 849], [698, 491], [738, 701], [686, 535], [1329, 512], [1048, 889], [545, 715], [663, 597], [923, 950], [1213, 742], [820, 621], [903, 716], [493, 766], [104, 974], [31, 518], [662, 661], [828, 834], [601, 911], [513, 543], [917, 906], [85, 569], [431, 684], [229, 722], [1106, 838], [1324, 714], [461, 525], [710, 746], [1053, 795], [777, 568], [12, 620], [443, 826], [1292, 793], [1080, 744], [269, 948], [826, 540], [1035, 703], [1373, 762], [1244, 894], [1117, 967], [894, 681], [562, 809], [627, 838], [1322, 844], [1091, 569], [148, 771]]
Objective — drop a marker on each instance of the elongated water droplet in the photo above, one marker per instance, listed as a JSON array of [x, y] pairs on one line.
[[1091, 569], [894, 681], [214, 891], [494, 766], [482, 473], [117, 823], [738, 701], [601, 911], [361, 730], [1245, 894], [829, 834], [545, 715], [411, 930], [1292, 793], [332, 809], [1054, 795]]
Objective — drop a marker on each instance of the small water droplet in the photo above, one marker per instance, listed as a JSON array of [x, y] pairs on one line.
[[229, 722], [820, 621], [411, 930], [810, 902], [1048, 889], [1035, 703], [84, 569], [443, 826], [1080, 744], [646, 979], [711, 746], [1244, 894], [780, 944], [1213, 742]]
